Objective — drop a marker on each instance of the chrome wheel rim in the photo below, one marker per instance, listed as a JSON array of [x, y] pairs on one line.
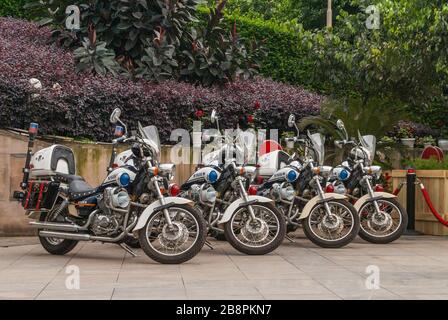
[[259, 233], [380, 225], [331, 228], [177, 240]]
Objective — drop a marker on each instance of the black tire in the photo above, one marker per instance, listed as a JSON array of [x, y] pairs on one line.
[[333, 243], [274, 244], [183, 257], [392, 237], [132, 242], [65, 246]]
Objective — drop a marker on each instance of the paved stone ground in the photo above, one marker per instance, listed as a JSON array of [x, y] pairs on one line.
[[411, 268]]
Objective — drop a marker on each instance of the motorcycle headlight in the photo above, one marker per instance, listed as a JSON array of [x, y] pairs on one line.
[[121, 199], [374, 171], [324, 171], [208, 195], [287, 193]]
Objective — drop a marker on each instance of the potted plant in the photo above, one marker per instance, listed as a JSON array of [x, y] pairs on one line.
[[443, 141], [426, 141], [406, 135]]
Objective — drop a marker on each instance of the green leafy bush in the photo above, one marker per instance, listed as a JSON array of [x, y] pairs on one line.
[[427, 164], [13, 8], [156, 40]]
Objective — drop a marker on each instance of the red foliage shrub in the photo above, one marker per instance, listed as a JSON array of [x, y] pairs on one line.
[[82, 104]]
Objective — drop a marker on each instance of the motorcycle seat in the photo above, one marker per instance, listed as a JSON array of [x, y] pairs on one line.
[[67, 178], [79, 189]]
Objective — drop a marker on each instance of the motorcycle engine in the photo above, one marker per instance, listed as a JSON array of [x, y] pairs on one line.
[[109, 219]]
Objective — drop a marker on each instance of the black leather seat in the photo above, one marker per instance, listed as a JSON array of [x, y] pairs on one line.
[[79, 189], [67, 178]]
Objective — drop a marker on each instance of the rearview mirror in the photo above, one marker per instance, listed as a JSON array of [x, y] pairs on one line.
[[115, 116], [341, 126], [291, 120], [214, 116]]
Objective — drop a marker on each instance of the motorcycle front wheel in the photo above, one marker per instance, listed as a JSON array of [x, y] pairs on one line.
[[178, 243], [335, 230], [258, 237], [385, 227]]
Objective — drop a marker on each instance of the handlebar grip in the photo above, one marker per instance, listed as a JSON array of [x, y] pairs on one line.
[[119, 140]]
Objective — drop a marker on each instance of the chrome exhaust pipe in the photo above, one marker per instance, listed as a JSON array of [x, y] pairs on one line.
[[55, 226], [85, 237], [64, 235]]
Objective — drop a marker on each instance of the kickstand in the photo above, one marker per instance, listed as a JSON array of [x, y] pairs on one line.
[[208, 244], [126, 248], [289, 239]]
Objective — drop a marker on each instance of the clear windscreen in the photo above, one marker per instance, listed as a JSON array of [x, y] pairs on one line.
[[151, 135], [369, 143], [318, 143]]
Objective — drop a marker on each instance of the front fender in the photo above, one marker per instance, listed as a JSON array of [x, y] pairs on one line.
[[240, 202], [310, 204], [152, 208], [361, 201]]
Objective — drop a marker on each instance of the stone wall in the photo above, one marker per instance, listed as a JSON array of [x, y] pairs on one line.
[[92, 160]]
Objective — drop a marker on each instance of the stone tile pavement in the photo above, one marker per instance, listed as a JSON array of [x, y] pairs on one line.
[[410, 268]]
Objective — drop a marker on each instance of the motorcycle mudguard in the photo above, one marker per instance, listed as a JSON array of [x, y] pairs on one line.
[[310, 204], [240, 202], [150, 210], [361, 201]]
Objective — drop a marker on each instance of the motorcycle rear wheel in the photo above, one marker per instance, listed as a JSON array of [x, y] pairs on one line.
[[55, 246]]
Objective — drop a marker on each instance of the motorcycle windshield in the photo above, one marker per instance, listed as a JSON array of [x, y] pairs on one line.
[[151, 136], [368, 142], [318, 142]]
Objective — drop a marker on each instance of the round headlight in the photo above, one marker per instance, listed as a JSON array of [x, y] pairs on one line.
[[212, 176], [121, 199], [208, 195], [287, 193], [292, 176], [124, 179]]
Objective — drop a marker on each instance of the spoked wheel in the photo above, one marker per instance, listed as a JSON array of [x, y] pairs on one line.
[[335, 230], [259, 236], [384, 226], [55, 246], [177, 243]]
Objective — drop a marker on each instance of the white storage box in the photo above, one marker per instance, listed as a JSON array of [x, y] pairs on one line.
[[52, 160], [271, 162]]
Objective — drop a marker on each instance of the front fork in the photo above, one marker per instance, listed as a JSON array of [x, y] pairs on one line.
[[371, 193], [246, 199], [163, 202], [321, 194]]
